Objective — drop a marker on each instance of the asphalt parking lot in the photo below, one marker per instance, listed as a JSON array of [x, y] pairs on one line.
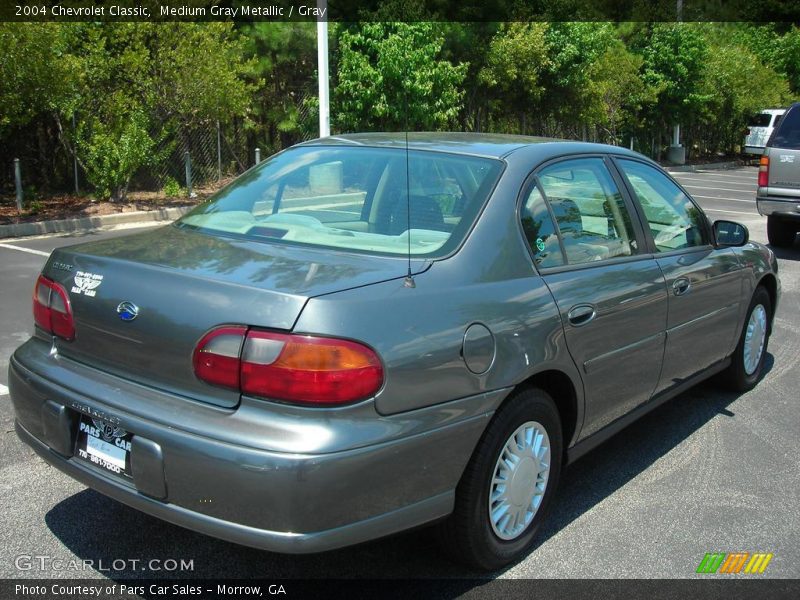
[[709, 471]]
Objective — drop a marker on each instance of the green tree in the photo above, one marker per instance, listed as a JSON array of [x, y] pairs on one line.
[[776, 45], [113, 152], [617, 91], [391, 77], [284, 58], [573, 48], [675, 56], [36, 73], [142, 83], [516, 57], [737, 85]]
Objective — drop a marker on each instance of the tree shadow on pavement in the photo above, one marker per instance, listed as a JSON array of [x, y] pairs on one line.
[[791, 253]]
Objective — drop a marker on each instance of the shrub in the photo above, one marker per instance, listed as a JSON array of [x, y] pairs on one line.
[[172, 189]]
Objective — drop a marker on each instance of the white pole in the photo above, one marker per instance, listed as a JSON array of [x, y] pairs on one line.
[[322, 66]]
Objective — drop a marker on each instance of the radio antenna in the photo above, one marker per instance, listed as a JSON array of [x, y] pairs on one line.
[[409, 281]]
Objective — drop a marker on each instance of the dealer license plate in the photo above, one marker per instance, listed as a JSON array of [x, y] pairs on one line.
[[105, 445]]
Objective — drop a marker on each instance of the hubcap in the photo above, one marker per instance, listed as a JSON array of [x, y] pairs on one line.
[[519, 480], [754, 338]]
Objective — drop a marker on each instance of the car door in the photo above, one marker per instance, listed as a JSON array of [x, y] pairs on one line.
[[612, 297], [704, 284]]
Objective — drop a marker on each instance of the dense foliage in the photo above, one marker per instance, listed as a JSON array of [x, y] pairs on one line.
[[131, 88]]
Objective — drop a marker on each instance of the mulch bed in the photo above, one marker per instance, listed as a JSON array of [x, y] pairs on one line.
[[70, 206]]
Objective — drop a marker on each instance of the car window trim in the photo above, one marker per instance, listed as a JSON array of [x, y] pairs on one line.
[[529, 183], [630, 203], [594, 264], [651, 244]]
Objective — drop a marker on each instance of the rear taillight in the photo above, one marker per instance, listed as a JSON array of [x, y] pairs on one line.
[[216, 357], [296, 368], [763, 171], [52, 310]]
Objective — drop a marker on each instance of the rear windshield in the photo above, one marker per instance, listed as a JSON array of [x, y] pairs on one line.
[[354, 199], [760, 120], [787, 135]]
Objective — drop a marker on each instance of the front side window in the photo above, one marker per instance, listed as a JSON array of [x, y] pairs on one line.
[[674, 220], [354, 198], [592, 218]]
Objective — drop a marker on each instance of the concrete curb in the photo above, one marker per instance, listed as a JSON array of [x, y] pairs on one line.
[[89, 223], [731, 164]]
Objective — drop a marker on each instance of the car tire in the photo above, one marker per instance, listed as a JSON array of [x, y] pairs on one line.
[[780, 233], [747, 362], [470, 535]]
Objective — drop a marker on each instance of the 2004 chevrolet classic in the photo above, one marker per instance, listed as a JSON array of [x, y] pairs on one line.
[[366, 333]]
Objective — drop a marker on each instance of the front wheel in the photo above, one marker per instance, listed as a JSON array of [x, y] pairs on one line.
[[507, 487], [780, 233], [747, 362]]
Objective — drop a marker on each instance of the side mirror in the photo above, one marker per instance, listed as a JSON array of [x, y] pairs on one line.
[[729, 233]]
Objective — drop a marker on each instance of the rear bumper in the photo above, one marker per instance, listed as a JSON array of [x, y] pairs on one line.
[[788, 208], [293, 502]]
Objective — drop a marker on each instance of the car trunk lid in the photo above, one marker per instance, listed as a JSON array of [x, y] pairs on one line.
[[183, 284]]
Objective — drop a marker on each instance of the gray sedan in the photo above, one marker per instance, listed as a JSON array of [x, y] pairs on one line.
[[369, 333]]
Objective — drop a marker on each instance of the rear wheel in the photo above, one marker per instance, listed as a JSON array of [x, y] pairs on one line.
[[747, 362], [780, 232], [507, 487]]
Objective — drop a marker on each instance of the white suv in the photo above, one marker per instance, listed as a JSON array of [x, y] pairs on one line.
[[760, 128]]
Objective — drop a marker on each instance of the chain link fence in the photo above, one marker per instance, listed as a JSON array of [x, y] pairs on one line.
[[217, 152]]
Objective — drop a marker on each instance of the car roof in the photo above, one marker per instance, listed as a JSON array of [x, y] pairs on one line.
[[490, 145]]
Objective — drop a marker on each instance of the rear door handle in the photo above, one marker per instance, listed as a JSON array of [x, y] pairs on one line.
[[581, 314], [681, 286]]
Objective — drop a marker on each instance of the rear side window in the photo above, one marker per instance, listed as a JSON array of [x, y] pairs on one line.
[[540, 231], [590, 214], [787, 135]]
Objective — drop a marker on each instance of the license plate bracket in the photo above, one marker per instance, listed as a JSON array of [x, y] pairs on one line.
[[104, 445]]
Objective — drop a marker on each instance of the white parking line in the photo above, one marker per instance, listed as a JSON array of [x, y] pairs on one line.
[[28, 250], [731, 212], [3, 390], [745, 175], [751, 184], [725, 199], [705, 187]]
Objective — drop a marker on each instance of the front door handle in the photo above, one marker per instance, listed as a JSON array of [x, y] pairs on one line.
[[581, 314], [681, 286]]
